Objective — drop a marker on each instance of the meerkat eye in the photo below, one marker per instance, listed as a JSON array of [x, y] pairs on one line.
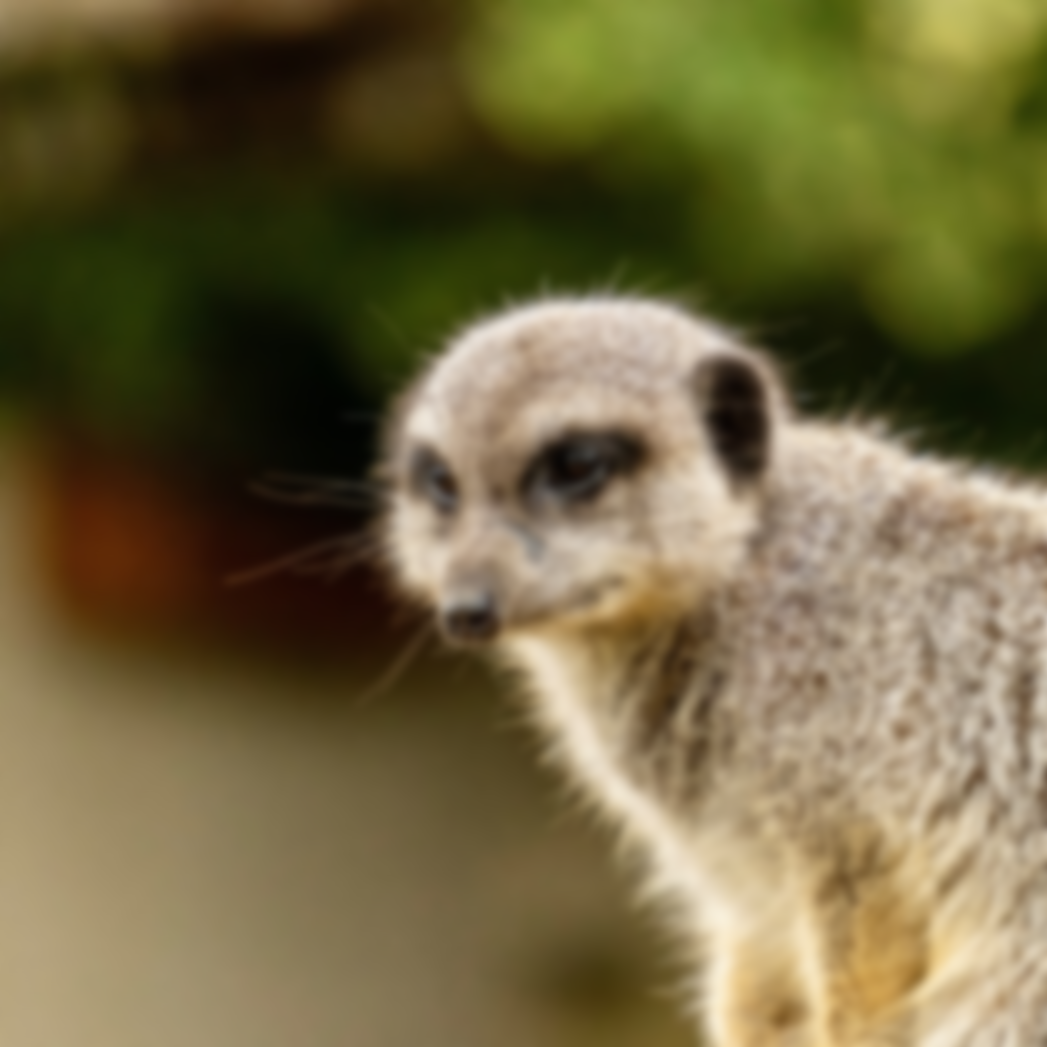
[[577, 468], [433, 480]]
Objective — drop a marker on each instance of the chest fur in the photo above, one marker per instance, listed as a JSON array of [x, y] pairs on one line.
[[823, 926]]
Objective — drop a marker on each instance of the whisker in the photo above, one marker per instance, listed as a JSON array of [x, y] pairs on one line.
[[297, 561], [332, 570], [408, 655], [314, 498], [305, 481]]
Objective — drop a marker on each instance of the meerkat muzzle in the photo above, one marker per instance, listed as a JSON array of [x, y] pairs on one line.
[[471, 617]]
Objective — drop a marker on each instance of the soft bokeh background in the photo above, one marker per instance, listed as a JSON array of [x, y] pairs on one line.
[[227, 230]]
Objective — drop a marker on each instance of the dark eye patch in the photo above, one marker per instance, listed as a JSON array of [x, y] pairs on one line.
[[575, 468], [430, 477]]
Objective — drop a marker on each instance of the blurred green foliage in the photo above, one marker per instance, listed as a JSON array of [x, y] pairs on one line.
[[195, 324], [864, 179], [898, 145]]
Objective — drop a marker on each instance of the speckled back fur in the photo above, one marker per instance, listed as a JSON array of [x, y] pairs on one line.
[[814, 696]]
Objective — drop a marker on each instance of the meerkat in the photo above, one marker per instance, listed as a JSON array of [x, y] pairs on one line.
[[799, 665]]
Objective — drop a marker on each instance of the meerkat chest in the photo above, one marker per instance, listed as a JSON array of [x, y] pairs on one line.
[[831, 922], [590, 739], [604, 737]]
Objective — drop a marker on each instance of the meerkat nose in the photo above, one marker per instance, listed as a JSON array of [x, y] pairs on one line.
[[470, 617]]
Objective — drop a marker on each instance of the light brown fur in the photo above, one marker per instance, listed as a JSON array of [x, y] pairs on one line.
[[801, 667]]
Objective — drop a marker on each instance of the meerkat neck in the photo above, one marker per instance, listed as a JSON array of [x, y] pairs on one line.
[[601, 667], [607, 699], [583, 684]]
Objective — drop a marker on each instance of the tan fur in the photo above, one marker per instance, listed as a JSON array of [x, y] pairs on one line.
[[811, 691]]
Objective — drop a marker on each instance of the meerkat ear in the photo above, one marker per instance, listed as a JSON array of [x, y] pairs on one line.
[[739, 400]]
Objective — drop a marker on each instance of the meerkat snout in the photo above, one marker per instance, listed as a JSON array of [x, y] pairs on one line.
[[470, 616]]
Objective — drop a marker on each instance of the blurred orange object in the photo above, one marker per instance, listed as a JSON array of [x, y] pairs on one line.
[[143, 544]]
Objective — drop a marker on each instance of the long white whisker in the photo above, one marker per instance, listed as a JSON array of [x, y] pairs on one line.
[[406, 658], [299, 559], [334, 568], [314, 499], [317, 491], [334, 483]]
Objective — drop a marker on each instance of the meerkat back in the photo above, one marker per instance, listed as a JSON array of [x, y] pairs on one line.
[[800, 668]]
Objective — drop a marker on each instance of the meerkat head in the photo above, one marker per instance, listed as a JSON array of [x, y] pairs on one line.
[[577, 465]]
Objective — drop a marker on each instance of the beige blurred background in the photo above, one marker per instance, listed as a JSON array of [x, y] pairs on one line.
[[201, 845]]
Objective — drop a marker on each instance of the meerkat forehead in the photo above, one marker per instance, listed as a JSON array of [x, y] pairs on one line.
[[560, 363]]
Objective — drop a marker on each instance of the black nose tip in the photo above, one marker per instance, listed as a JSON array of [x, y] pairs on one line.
[[471, 619]]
